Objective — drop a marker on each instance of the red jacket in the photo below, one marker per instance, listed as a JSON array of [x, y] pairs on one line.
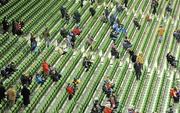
[[76, 31], [70, 90], [107, 110], [45, 67]]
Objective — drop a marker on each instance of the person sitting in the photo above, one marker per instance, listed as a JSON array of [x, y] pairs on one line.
[[126, 43], [108, 87], [119, 7], [136, 23], [76, 30], [25, 79], [169, 8], [131, 110], [114, 51], [8, 70], [104, 19], [67, 18], [176, 34], [18, 26], [89, 41], [87, 63], [112, 19], [2, 91], [45, 67], [92, 11], [171, 59], [113, 101], [70, 90], [39, 78], [64, 32], [5, 25], [174, 94], [76, 81], [122, 29], [148, 18], [107, 108], [113, 35], [63, 11], [77, 16], [55, 75], [97, 108]]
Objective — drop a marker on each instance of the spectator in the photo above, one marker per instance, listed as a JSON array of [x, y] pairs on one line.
[[75, 82], [64, 32], [133, 56], [89, 41], [121, 28], [70, 90], [108, 87], [39, 78], [161, 32], [25, 79], [76, 30], [106, 12], [63, 11], [5, 25], [107, 108], [113, 101], [67, 18], [11, 95], [2, 91], [114, 51], [136, 23], [113, 35], [55, 75], [125, 2], [92, 2], [137, 68], [148, 18], [77, 16], [18, 26], [8, 70], [46, 37], [92, 11], [140, 59], [97, 108], [25, 92], [168, 8], [45, 67], [176, 34], [154, 6], [126, 43], [71, 39], [112, 19], [87, 63], [81, 2], [119, 7], [104, 19], [33, 43], [171, 59], [174, 94]]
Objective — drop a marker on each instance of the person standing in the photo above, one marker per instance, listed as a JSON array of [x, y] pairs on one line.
[[5, 25], [161, 32], [11, 95], [46, 37], [25, 92]]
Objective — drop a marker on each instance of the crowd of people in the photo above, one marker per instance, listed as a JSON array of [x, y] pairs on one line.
[[70, 36]]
